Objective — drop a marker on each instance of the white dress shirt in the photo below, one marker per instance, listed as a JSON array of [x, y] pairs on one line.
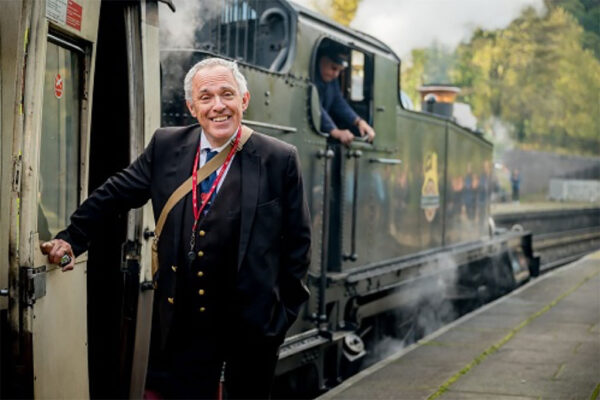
[[205, 148]]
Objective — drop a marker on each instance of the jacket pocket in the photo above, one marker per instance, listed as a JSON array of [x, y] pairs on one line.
[[275, 203]]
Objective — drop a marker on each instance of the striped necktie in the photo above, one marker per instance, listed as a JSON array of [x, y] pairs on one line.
[[206, 184]]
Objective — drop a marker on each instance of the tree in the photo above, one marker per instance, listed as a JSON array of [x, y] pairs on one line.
[[413, 75], [535, 75], [429, 65], [587, 13], [341, 11]]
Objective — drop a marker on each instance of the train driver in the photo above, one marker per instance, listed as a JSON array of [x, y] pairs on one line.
[[336, 113]]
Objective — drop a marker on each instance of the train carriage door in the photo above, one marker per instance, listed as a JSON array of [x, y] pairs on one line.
[[125, 115], [49, 311], [355, 186], [47, 307], [370, 170], [142, 27]]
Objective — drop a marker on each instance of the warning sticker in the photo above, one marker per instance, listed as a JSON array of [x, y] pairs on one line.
[[65, 12], [58, 86], [56, 10], [74, 12]]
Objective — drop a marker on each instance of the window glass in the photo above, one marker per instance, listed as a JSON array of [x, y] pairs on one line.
[[58, 193], [358, 76]]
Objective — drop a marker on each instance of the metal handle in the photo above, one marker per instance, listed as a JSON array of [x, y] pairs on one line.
[[3, 292], [352, 256], [282, 128], [148, 233], [168, 3], [327, 154], [389, 161]]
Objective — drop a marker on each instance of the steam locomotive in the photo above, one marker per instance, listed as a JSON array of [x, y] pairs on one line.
[[402, 239], [401, 235]]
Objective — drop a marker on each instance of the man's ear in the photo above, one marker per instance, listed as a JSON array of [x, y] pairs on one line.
[[191, 108], [245, 101]]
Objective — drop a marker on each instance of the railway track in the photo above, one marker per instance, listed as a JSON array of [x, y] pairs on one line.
[[559, 235]]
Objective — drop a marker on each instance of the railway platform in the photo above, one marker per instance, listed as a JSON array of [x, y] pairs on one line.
[[539, 206], [541, 341]]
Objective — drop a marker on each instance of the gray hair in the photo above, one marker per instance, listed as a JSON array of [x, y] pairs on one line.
[[213, 62]]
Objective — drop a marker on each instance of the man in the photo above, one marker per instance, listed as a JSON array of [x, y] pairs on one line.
[[515, 183], [227, 291], [335, 111]]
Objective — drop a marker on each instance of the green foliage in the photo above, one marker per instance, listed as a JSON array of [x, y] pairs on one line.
[[341, 11], [430, 65], [587, 13], [413, 75], [440, 60], [536, 76]]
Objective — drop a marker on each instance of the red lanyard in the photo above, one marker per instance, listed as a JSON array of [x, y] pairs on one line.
[[198, 212]]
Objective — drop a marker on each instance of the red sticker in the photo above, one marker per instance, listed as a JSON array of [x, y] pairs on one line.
[[74, 13], [58, 86]]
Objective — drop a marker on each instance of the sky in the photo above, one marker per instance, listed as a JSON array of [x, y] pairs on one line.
[[408, 24]]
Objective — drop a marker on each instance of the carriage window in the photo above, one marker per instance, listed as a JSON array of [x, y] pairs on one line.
[[59, 156], [253, 31], [358, 76]]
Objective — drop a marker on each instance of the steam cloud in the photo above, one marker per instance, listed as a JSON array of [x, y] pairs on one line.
[[431, 310], [178, 28]]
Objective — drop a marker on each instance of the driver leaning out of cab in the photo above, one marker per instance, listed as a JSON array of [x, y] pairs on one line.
[[335, 111]]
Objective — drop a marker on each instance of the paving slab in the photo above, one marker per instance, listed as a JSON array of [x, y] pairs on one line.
[[540, 342], [458, 395]]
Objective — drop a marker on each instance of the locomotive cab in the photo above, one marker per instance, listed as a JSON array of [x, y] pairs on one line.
[[355, 80]]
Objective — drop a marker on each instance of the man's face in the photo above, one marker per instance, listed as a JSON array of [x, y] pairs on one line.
[[217, 103], [329, 70]]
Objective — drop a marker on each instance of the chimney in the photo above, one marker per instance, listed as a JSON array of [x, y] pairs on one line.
[[438, 99]]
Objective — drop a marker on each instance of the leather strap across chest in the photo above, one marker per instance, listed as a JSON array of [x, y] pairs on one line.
[[186, 187]]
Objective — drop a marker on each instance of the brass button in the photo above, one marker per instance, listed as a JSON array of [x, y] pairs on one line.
[[200, 253], [200, 274], [202, 309], [201, 292], [201, 233], [171, 300], [174, 268]]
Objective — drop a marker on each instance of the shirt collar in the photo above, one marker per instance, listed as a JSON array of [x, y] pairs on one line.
[[205, 145]]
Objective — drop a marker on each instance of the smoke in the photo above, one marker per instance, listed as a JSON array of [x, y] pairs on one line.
[[428, 308], [501, 136], [384, 348], [178, 29], [407, 24]]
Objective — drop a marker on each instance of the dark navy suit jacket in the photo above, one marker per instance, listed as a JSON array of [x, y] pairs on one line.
[[275, 233], [335, 111]]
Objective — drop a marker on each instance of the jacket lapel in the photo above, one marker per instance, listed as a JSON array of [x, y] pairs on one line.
[[250, 168], [181, 168]]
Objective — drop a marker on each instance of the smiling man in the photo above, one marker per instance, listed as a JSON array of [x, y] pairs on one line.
[[233, 253]]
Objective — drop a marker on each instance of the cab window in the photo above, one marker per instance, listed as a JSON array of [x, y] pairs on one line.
[[58, 194], [356, 80]]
